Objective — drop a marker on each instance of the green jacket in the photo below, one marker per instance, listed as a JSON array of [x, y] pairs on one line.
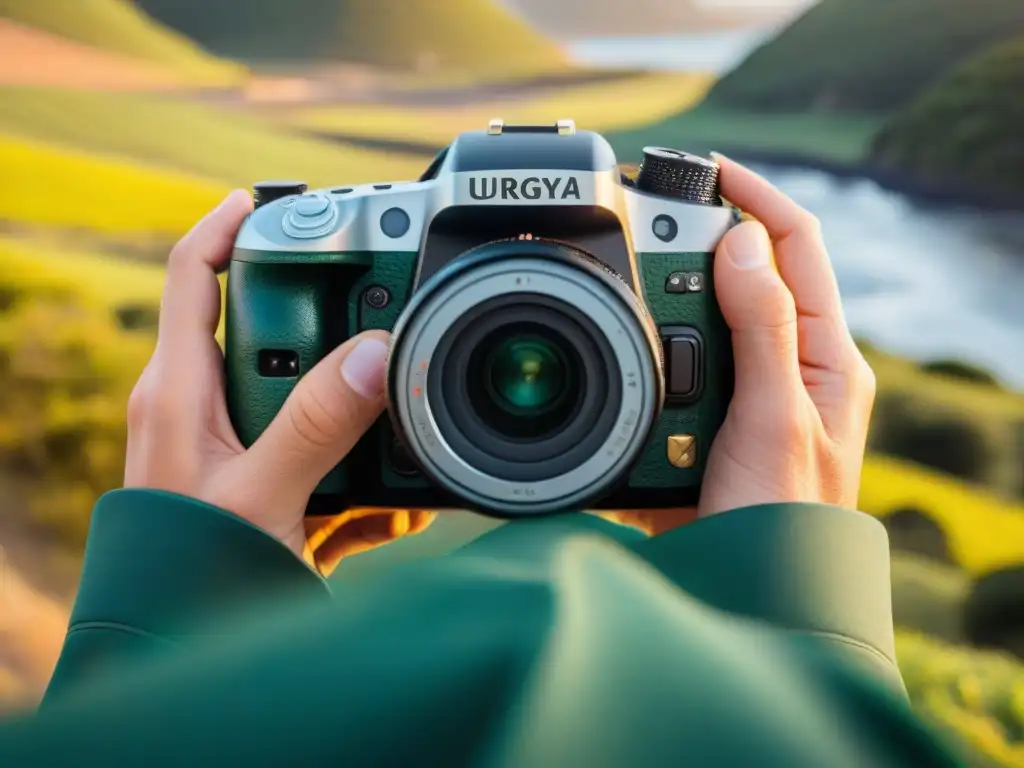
[[759, 638]]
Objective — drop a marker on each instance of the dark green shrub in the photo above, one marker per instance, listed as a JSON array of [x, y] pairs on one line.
[[1017, 442], [912, 530], [888, 416], [945, 443], [960, 370], [137, 317], [994, 611], [928, 596]]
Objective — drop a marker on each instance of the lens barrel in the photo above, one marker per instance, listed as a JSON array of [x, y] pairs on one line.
[[525, 378]]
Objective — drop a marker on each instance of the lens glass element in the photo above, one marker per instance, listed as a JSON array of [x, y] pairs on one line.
[[523, 381], [526, 375]]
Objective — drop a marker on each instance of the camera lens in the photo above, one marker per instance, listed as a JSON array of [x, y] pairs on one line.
[[525, 378], [521, 381]]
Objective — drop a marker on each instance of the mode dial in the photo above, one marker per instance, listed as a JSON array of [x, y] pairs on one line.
[[673, 173], [265, 192]]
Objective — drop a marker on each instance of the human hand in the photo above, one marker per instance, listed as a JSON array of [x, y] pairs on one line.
[[797, 425], [180, 438]]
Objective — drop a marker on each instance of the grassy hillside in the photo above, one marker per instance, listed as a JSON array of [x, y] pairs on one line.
[[954, 424], [865, 55], [835, 139], [638, 100], [46, 185], [118, 26], [967, 129], [475, 35], [821, 89], [59, 62], [206, 140], [984, 532]]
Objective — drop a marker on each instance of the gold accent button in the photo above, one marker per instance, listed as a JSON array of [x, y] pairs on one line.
[[681, 450]]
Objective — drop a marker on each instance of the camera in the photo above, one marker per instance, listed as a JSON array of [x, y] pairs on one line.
[[556, 343]]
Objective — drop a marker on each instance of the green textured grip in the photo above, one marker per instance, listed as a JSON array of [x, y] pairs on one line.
[[307, 304], [704, 417]]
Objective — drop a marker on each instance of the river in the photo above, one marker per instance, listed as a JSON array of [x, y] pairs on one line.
[[920, 281]]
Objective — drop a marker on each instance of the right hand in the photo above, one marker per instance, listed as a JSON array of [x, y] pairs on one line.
[[798, 420], [797, 423], [180, 438]]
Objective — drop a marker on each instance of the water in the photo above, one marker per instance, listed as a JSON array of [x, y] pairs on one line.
[[924, 283], [713, 52], [921, 282]]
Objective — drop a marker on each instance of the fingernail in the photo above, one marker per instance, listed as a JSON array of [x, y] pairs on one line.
[[231, 197], [363, 367], [748, 247]]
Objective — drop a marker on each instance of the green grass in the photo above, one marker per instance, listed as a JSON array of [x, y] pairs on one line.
[[865, 55], [975, 699], [833, 139], [476, 36], [118, 26], [215, 143], [966, 129], [94, 281]]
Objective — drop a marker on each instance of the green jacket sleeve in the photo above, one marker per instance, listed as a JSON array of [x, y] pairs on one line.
[[161, 570], [820, 572], [547, 644]]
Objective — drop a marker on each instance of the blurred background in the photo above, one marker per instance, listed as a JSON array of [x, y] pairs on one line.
[[900, 123]]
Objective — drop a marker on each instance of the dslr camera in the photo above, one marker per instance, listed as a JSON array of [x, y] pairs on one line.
[[556, 343]]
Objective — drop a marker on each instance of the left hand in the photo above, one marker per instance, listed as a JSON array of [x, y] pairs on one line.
[[180, 438]]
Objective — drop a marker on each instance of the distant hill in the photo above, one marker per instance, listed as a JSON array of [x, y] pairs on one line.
[[55, 61], [119, 27], [456, 35], [865, 55], [967, 130], [576, 19]]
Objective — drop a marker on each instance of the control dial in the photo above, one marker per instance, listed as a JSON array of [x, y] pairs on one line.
[[265, 192], [310, 216], [673, 173]]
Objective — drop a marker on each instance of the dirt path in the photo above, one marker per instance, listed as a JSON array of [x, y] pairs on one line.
[[31, 57], [357, 85]]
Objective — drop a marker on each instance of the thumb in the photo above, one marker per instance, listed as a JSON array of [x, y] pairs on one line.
[[759, 310], [326, 414]]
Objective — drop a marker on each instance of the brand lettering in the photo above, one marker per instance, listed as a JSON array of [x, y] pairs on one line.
[[531, 188]]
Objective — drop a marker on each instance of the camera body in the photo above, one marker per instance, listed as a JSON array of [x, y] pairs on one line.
[[556, 343]]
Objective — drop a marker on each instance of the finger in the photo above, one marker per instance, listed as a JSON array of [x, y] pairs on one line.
[[802, 260], [653, 522], [759, 310], [329, 410], [190, 307], [358, 530]]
